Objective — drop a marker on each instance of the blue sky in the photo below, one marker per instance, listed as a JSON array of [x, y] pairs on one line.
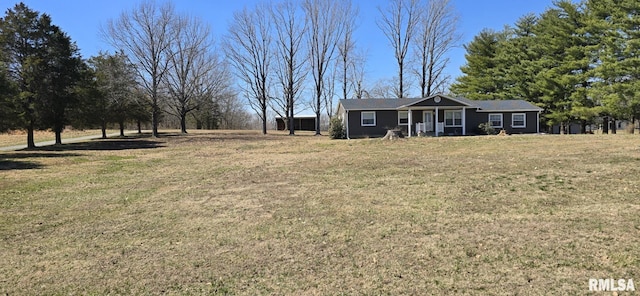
[[81, 19]]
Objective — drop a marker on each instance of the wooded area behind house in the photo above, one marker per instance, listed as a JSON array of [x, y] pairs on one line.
[[578, 61]]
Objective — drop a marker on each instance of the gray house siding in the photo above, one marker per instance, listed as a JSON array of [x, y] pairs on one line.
[[475, 113], [385, 120], [473, 120], [531, 125]]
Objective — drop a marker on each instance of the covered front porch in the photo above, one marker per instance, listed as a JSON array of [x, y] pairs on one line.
[[433, 121]]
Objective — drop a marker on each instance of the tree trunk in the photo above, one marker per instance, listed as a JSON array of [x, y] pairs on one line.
[[605, 125], [58, 137], [583, 127], [614, 126], [318, 93], [318, 123], [264, 119], [30, 139], [103, 127], [401, 89], [183, 123], [154, 121], [139, 127], [121, 124], [291, 122]]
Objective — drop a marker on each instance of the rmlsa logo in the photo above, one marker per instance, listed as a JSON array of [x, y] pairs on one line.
[[611, 285]]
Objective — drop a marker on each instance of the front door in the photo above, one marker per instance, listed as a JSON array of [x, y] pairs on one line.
[[428, 120]]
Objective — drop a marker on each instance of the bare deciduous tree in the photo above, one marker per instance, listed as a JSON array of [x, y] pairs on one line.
[[346, 49], [436, 35], [248, 46], [191, 65], [398, 23], [358, 74], [144, 34], [385, 88], [329, 92], [325, 25], [289, 32]]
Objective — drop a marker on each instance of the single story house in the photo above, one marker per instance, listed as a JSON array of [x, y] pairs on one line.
[[300, 123], [436, 115]]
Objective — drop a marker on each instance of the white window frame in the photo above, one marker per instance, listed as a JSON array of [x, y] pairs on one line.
[[362, 118], [501, 120], [453, 118], [406, 116], [524, 120]]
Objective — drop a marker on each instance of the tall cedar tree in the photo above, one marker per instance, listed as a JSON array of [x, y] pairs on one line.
[[617, 77], [115, 84], [45, 66], [478, 81], [564, 79]]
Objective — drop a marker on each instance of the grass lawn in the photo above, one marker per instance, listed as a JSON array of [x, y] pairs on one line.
[[241, 213]]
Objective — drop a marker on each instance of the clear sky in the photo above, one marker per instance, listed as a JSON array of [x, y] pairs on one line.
[[81, 19]]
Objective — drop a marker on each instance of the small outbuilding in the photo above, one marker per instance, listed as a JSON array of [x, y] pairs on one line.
[[300, 123]]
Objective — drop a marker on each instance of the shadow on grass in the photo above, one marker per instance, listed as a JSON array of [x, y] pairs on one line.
[[17, 160], [7, 165], [13, 161], [241, 136], [104, 145]]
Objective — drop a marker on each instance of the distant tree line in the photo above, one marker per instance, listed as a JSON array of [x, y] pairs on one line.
[[578, 61]]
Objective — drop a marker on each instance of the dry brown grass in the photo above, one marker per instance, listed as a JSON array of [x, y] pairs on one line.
[[242, 213]]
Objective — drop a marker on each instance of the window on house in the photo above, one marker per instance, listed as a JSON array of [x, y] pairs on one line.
[[403, 117], [368, 119], [495, 120], [453, 118], [519, 120]]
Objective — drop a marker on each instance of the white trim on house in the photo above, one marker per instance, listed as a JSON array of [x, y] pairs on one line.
[[430, 112], [362, 113], [453, 119], [410, 121], [407, 118], [464, 121], [435, 124], [524, 120], [347, 116], [491, 121]]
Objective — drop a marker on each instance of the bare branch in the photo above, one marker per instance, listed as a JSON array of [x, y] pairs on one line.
[[248, 47], [398, 23]]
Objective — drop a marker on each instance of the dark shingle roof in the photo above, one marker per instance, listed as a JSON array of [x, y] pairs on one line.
[[375, 104], [392, 104]]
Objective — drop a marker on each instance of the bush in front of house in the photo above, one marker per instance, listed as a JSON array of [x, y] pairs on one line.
[[336, 128], [486, 128]]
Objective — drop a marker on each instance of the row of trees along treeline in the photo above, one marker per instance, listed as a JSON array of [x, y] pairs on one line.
[[276, 48], [578, 61], [167, 63]]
